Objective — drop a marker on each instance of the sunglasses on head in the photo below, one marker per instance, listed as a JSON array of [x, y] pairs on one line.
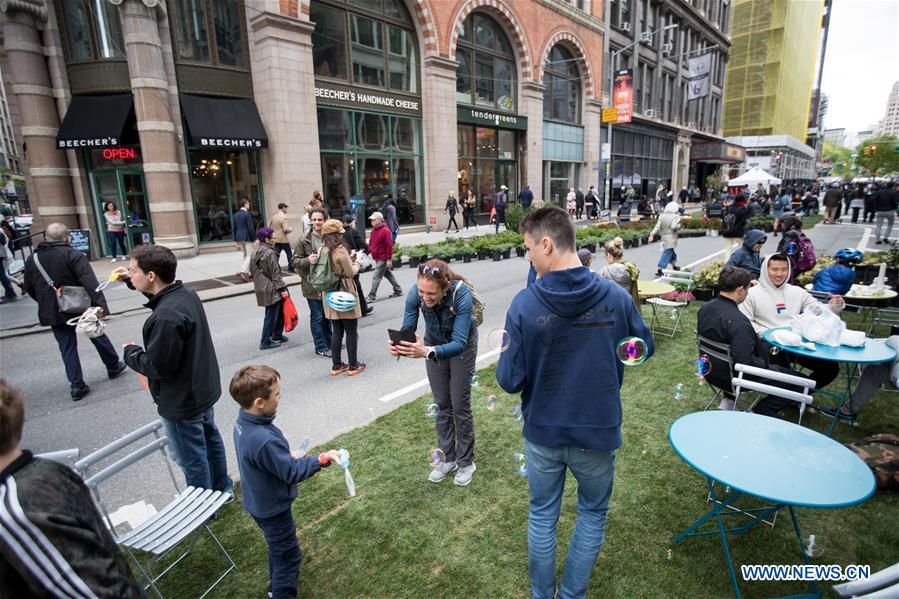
[[431, 271]]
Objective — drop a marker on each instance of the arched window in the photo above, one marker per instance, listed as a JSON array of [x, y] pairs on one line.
[[486, 75], [562, 96], [367, 42]]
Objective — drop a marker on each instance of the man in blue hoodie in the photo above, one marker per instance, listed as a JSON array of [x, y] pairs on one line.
[[564, 330], [749, 256], [269, 472]]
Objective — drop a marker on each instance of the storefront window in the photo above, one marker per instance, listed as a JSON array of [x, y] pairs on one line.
[[562, 96], [220, 179], [381, 160], [382, 45], [196, 21], [479, 169], [485, 57], [92, 30]]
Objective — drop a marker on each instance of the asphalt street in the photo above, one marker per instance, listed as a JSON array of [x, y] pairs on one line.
[[313, 403]]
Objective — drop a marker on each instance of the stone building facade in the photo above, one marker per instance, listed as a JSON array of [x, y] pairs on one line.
[[176, 110]]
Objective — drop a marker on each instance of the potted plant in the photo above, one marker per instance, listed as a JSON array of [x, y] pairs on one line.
[[706, 280], [507, 250], [417, 255], [397, 256], [467, 252]]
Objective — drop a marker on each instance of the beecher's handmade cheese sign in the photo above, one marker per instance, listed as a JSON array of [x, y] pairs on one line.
[[366, 99]]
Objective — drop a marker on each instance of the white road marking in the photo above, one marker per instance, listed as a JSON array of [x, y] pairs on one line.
[[863, 244], [424, 382]]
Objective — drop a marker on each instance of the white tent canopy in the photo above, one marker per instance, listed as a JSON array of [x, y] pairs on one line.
[[752, 177]]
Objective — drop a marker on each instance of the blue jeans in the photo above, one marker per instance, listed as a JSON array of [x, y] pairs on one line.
[[284, 553], [668, 256], [67, 339], [594, 471], [319, 325], [197, 447], [273, 325], [4, 279], [116, 239], [284, 247]]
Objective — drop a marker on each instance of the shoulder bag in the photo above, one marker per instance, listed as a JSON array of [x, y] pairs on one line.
[[71, 299]]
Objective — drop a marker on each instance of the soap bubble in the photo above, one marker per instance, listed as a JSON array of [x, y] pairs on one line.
[[516, 411], [679, 391], [304, 448], [792, 248], [702, 365], [432, 410], [436, 457], [775, 350], [491, 402], [669, 554], [644, 449], [814, 547], [632, 351], [674, 314], [521, 464], [475, 380], [498, 339]]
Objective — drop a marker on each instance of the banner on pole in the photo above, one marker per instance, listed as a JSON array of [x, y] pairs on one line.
[[699, 78], [623, 95], [609, 115]]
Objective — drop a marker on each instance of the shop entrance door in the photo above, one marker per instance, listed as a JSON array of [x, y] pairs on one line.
[[126, 189], [507, 174]]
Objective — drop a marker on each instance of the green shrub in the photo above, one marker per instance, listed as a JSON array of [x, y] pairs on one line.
[[763, 222], [707, 277], [515, 214], [398, 251]]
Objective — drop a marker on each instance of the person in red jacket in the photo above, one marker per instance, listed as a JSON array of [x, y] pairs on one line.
[[380, 245]]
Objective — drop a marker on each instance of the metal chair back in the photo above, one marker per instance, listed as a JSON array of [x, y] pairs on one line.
[[720, 351], [884, 317], [741, 384]]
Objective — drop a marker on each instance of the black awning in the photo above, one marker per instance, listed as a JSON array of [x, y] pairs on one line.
[[96, 121], [223, 122]]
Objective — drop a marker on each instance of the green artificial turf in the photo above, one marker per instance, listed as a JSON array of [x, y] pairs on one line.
[[402, 536]]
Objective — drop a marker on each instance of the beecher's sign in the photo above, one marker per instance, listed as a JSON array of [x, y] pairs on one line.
[[220, 142], [345, 95], [87, 143]]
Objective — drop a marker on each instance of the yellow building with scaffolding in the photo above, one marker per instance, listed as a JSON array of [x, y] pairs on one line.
[[771, 70]]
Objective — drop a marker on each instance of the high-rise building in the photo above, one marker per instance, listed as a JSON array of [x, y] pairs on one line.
[[890, 123], [772, 67], [835, 136]]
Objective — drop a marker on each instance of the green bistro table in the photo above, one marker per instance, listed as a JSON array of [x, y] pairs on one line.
[[779, 462]]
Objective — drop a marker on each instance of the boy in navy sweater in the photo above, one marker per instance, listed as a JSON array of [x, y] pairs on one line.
[[563, 333], [269, 472]]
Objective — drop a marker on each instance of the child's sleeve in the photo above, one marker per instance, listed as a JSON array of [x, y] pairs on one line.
[[280, 464]]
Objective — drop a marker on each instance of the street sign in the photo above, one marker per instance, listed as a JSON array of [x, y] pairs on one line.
[[80, 239], [609, 115], [606, 152]]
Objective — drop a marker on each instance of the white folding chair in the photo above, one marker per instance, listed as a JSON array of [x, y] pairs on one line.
[[680, 279], [184, 518], [880, 585], [741, 385], [721, 351], [884, 317]]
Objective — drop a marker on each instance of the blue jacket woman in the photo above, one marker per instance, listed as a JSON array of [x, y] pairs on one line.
[[836, 279], [450, 345]]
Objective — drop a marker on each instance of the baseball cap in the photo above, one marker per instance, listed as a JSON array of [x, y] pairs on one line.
[[376, 215], [282, 205]]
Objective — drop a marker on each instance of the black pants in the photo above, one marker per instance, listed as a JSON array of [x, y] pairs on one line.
[[351, 327], [869, 214], [823, 371], [67, 339], [468, 217], [855, 214], [285, 247], [452, 221], [363, 305], [500, 216], [579, 211]]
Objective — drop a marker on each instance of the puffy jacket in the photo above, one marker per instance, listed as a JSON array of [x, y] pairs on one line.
[[744, 257], [67, 267], [266, 273], [836, 279]]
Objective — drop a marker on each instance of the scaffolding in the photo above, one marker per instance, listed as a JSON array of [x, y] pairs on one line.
[[771, 68]]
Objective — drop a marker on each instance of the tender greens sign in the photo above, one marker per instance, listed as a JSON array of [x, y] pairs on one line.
[[365, 99]]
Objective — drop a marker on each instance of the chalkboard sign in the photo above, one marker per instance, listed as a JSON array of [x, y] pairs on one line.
[[80, 239]]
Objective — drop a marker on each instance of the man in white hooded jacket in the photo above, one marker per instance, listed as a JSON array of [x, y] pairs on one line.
[[773, 302]]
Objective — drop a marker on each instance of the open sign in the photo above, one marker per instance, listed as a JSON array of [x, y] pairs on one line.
[[119, 153]]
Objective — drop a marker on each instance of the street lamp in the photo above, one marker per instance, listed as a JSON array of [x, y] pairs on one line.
[[645, 37]]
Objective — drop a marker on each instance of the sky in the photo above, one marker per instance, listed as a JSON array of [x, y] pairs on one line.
[[861, 63]]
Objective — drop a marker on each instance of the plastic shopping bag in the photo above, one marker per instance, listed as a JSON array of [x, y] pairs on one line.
[[818, 324], [291, 318]]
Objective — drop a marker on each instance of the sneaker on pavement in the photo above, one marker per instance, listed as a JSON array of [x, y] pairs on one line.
[[440, 472], [280, 339], [114, 259], [325, 353], [79, 393], [116, 370], [354, 370], [8, 299], [269, 345], [463, 476], [371, 299], [339, 369], [397, 293]]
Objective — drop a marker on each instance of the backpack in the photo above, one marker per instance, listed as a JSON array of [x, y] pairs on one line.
[[802, 261], [881, 453], [730, 222], [477, 304], [321, 274]]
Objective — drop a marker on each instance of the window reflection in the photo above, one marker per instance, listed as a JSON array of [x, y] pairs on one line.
[[485, 58], [220, 180]]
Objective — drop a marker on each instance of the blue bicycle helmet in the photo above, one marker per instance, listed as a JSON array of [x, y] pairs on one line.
[[341, 301], [849, 256]]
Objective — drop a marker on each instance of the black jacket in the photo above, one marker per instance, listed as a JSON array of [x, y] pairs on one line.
[[178, 357], [243, 226], [68, 268], [579, 198], [354, 239], [885, 200], [721, 320]]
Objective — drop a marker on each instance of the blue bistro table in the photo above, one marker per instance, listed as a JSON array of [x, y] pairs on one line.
[[873, 352], [774, 460]]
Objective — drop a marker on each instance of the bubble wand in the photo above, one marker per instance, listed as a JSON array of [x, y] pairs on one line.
[[345, 464]]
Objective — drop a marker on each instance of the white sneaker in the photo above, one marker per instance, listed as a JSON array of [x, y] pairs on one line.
[[114, 259], [463, 476], [440, 472], [726, 404]]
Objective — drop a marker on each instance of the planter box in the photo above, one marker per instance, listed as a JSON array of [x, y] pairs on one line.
[[457, 257], [703, 295], [413, 262], [466, 258], [507, 254], [520, 252], [397, 262], [497, 256]]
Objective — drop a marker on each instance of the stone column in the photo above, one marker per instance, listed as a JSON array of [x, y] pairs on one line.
[[592, 120], [441, 151], [171, 207], [530, 104], [50, 187], [284, 89]]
